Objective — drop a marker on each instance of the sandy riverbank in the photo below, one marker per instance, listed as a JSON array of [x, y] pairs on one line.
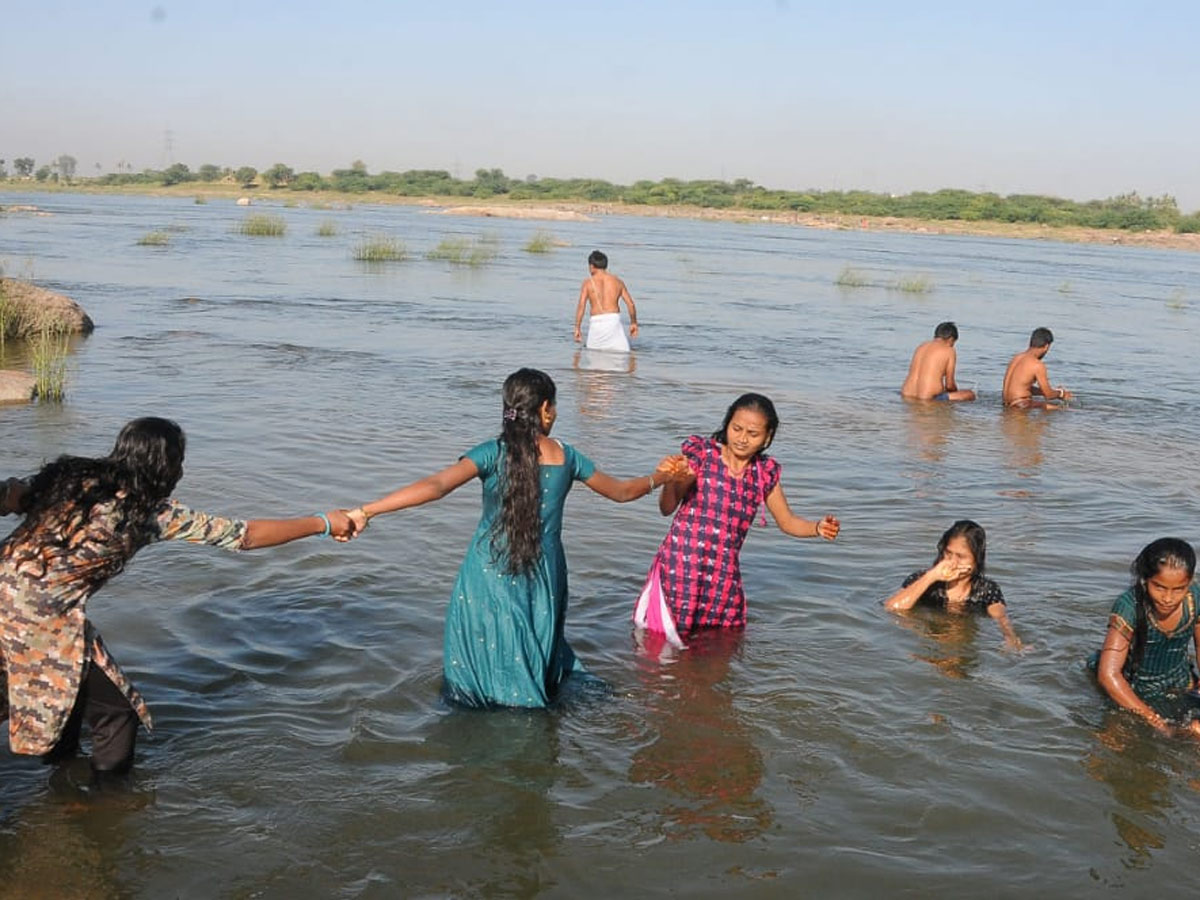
[[583, 211]]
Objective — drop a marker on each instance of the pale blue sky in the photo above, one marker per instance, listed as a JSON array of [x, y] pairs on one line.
[[1076, 99]]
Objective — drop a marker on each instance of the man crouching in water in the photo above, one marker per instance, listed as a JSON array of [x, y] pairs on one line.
[[1026, 375], [931, 372]]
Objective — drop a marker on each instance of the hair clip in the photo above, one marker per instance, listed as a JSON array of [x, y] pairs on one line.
[[510, 413]]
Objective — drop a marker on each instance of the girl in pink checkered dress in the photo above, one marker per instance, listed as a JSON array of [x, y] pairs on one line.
[[695, 580]]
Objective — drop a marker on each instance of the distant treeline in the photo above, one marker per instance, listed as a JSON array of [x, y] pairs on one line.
[[1127, 211]]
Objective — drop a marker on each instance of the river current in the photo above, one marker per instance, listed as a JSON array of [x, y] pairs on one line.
[[832, 749]]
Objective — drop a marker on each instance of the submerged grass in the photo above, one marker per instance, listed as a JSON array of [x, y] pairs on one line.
[[259, 225], [154, 239], [541, 242], [913, 284], [48, 356], [326, 229], [851, 278], [461, 251], [380, 250], [1177, 300]]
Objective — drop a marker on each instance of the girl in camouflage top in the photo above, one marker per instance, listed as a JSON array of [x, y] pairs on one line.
[[83, 520]]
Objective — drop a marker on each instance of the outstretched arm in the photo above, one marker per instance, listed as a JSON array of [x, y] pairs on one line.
[[1112, 660], [790, 523], [433, 487], [579, 311], [273, 532], [622, 491], [628, 297]]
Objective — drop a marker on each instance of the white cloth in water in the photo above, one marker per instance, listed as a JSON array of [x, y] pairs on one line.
[[605, 332]]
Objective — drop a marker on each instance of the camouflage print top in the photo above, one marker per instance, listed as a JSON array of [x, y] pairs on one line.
[[46, 641]]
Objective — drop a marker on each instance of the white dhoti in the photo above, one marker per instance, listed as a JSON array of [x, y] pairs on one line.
[[605, 332]]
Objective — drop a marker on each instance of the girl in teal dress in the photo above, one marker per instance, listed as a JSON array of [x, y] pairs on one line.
[[504, 643], [1143, 665]]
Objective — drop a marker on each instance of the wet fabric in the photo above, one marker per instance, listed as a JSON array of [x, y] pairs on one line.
[[605, 332], [46, 640], [697, 569], [1164, 669], [504, 643], [984, 592]]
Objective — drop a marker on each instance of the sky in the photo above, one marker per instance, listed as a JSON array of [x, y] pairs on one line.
[[1075, 99]]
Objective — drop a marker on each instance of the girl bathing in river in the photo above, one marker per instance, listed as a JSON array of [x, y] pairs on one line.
[[955, 582], [695, 580], [84, 519], [504, 643], [1143, 665]]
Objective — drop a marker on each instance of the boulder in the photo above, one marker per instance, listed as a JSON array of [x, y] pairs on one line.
[[16, 387], [27, 309]]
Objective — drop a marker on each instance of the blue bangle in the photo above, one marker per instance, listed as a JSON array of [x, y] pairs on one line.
[[328, 528]]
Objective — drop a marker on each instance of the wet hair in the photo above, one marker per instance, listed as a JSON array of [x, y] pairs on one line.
[[598, 259], [946, 330], [517, 532], [1164, 553], [1041, 337], [142, 470], [976, 538], [756, 403]]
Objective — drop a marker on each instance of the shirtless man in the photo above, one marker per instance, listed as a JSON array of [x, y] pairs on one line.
[[604, 292], [931, 372], [1026, 375]]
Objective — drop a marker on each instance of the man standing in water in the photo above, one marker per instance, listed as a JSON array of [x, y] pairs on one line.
[[604, 291], [1026, 375], [931, 372]]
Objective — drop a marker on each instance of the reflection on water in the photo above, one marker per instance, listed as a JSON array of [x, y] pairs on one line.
[[949, 644], [699, 753], [595, 371], [301, 749], [1024, 434]]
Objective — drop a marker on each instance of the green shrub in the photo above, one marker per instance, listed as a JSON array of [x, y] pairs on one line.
[[541, 242], [381, 250], [851, 278], [259, 225]]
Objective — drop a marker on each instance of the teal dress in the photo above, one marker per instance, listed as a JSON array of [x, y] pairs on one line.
[[504, 633]]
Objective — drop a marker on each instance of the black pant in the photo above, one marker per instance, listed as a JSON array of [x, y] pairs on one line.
[[111, 720]]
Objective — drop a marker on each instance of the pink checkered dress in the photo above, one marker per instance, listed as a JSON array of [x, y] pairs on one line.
[[696, 571]]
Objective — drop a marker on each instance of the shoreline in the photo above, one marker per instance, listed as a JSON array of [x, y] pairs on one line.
[[576, 210]]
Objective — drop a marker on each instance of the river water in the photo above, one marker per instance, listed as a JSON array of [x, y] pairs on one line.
[[301, 749]]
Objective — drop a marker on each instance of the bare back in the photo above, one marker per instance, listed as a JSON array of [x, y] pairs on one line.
[[603, 292], [931, 371], [1025, 370]]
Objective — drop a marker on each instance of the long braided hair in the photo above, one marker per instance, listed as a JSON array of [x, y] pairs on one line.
[[517, 532], [1164, 553], [133, 480]]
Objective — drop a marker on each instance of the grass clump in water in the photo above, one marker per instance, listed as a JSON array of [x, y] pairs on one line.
[[326, 229], [851, 278], [381, 250], [541, 242], [914, 284], [1176, 300], [154, 239], [200, 200], [48, 355], [259, 225], [461, 251]]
